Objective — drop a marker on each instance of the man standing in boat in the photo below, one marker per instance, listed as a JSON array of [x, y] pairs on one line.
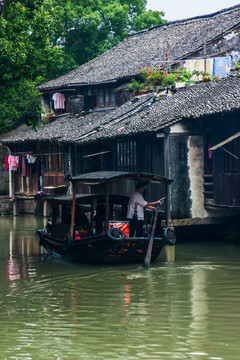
[[136, 206]]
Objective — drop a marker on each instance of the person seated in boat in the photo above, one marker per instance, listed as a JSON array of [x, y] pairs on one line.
[[136, 206], [99, 218], [82, 222], [66, 215]]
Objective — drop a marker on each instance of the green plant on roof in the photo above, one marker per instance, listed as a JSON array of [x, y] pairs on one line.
[[148, 77], [216, 78], [169, 80], [237, 65], [135, 86], [206, 76], [186, 75], [197, 73], [152, 77]]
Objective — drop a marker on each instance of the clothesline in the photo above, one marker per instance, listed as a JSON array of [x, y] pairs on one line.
[[35, 154], [204, 57]]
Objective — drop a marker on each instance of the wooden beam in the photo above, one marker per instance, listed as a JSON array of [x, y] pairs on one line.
[[73, 209], [225, 141], [107, 207]]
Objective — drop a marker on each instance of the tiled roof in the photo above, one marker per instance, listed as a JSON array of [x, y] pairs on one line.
[[141, 115], [149, 47]]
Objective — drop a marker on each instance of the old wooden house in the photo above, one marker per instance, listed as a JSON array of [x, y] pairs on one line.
[[172, 137], [100, 84]]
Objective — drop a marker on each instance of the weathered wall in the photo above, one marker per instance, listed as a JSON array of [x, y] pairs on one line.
[[224, 44], [179, 172], [4, 174], [196, 170]]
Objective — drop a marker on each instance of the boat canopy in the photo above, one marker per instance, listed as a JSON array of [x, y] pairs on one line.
[[99, 177]]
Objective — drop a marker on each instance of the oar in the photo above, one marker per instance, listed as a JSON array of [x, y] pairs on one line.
[[148, 255]]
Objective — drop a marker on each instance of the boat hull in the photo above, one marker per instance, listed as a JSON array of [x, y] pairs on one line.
[[100, 249]]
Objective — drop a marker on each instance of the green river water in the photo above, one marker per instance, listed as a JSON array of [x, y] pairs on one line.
[[50, 309]]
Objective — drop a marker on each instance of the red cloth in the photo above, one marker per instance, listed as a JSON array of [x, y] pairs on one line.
[[6, 163]]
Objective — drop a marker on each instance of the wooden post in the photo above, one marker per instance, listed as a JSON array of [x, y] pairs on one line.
[[205, 58], [73, 209], [169, 250], [167, 58], [106, 206], [166, 204], [70, 160]]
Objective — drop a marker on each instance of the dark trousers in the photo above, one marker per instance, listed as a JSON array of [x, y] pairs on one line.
[[136, 227]]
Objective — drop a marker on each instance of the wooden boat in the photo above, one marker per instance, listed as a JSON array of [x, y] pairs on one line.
[[79, 243]]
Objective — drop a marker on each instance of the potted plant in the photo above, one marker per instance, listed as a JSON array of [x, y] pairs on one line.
[[169, 80], [186, 76], [237, 66], [206, 77], [216, 78]]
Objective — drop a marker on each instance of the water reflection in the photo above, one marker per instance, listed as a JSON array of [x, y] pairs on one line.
[[56, 310]]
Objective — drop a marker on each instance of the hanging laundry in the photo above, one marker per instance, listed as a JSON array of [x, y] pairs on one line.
[[235, 58], [6, 163], [13, 161], [221, 66], [199, 65], [59, 101], [30, 159]]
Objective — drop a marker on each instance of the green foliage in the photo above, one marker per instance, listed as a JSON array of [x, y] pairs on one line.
[[237, 65], [151, 77], [135, 86], [27, 57], [186, 75], [148, 19], [169, 80], [19, 104], [87, 28]]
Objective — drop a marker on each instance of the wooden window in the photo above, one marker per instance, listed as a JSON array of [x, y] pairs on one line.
[[101, 98], [105, 98], [126, 156]]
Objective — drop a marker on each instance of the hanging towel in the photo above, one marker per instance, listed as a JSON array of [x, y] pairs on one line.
[[13, 161], [221, 66]]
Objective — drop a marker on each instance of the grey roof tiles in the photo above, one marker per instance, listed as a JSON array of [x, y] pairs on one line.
[[149, 47], [141, 115]]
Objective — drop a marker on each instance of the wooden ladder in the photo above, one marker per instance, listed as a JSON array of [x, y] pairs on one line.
[[208, 188]]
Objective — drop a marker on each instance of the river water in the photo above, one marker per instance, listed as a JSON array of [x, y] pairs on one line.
[[50, 309]]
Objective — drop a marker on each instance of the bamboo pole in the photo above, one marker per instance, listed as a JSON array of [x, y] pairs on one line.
[[205, 58]]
